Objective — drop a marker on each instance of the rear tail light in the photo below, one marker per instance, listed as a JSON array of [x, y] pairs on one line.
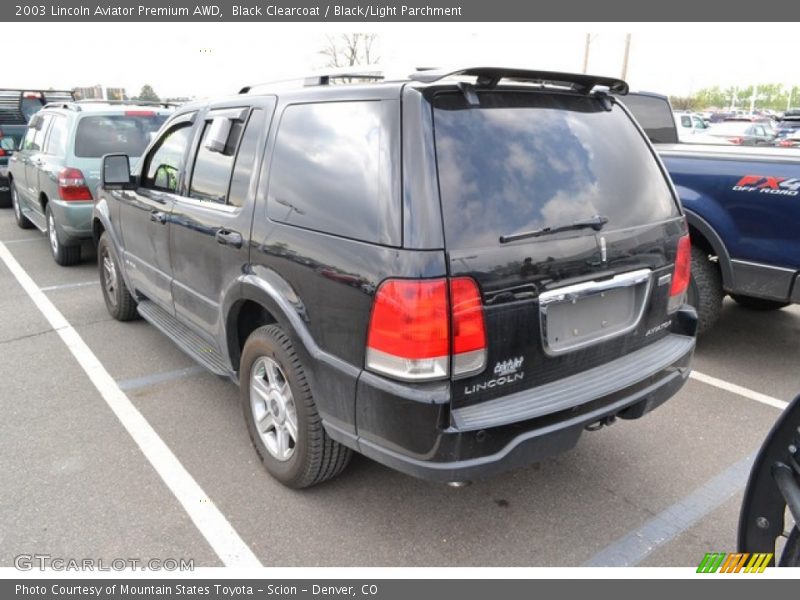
[[72, 185], [736, 140], [410, 329], [681, 273], [469, 329]]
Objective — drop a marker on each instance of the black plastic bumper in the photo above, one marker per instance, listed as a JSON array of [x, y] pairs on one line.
[[417, 435]]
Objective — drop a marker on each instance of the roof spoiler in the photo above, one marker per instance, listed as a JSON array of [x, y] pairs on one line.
[[489, 77]]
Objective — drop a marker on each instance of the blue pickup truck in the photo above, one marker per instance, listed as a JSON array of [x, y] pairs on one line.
[[743, 209]]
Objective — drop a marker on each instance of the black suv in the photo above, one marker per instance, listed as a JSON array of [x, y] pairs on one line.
[[452, 274]]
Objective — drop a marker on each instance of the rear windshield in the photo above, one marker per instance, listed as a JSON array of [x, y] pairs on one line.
[[128, 134], [525, 161]]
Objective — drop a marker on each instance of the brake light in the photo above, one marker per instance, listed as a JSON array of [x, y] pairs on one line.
[[72, 185], [410, 329], [736, 140], [681, 273], [469, 329], [140, 113]]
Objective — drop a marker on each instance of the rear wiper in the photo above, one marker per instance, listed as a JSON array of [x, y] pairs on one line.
[[596, 222]]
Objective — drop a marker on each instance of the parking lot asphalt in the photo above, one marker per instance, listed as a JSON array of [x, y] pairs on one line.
[[660, 491]]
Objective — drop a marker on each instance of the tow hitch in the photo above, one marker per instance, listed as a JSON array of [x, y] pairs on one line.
[[604, 422]]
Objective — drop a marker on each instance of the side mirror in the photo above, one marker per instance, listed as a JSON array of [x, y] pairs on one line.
[[218, 133], [117, 172]]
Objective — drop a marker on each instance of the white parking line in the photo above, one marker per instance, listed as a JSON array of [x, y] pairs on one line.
[[213, 525], [23, 240], [739, 390], [65, 286]]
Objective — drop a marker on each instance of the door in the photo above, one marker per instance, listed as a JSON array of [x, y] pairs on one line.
[[210, 225], [145, 212], [32, 160]]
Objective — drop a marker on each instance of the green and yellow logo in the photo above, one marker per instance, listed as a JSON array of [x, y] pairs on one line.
[[744, 562]]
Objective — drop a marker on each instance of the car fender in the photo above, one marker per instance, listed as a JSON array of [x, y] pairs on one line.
[[701, 211], [101, 213], [267, 288]]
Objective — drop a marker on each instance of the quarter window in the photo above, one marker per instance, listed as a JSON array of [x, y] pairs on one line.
[[165, 162], [332, 170]]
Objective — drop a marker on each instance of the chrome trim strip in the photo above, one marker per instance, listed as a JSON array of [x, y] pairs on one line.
[[575, 292]]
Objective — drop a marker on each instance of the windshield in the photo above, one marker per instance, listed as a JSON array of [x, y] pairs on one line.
[[107, 134], [524, 161]]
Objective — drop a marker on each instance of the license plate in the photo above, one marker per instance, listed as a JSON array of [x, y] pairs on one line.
[[584, 314]]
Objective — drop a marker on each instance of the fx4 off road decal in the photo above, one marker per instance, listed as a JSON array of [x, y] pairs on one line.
[[763, 184]]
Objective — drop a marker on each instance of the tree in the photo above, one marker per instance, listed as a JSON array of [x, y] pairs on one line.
[[682, 102], [348, 49], [148, 94]]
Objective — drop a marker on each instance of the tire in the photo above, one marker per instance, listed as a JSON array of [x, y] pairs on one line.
[[64, 255], [705, 290], [269, 368], [758, 303], [120, 303], [22, 220]]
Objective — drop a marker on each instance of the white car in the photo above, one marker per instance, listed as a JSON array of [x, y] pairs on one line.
[[689, 124]]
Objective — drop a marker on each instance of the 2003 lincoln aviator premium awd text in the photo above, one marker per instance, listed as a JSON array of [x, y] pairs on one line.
[[453, 274]]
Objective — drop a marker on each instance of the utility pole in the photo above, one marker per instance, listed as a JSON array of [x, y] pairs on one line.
[[586, 52], [625, 56]]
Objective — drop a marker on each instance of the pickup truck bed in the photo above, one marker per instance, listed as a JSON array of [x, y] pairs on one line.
[[743, 209]]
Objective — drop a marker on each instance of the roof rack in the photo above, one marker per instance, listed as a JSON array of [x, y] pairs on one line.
[[328, 77], [486, 77], [489, 77], [76, 104]]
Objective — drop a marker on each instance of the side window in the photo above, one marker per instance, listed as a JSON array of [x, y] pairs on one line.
[[165, 162], [686, 122], [211, 175], [27, 141], [332, 170], [246, 158], [39, 134], [699, 123], [57, 140]]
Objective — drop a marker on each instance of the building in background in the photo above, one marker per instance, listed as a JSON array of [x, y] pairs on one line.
[[98, 92]]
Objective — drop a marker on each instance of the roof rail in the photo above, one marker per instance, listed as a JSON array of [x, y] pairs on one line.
[[65, 105], [327, 77], [128, 102], [489, 77]]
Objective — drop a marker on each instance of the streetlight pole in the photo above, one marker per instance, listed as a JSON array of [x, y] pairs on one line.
[[586, 52], [625, 56]]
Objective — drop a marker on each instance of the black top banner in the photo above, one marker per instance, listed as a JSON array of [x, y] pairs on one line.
[[403, 11]]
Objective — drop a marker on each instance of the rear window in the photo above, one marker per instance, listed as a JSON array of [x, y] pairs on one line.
[[105, 134], [524, 161]]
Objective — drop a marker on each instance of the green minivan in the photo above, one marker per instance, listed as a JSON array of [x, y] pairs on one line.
[[54, 174]]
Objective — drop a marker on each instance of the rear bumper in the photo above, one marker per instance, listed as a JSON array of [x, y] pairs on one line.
[[73, 219], [421, 437]]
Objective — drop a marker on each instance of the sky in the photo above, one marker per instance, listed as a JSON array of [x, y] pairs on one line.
[[209, 59]]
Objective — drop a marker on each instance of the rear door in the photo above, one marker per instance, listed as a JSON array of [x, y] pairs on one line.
[[210, 231], [515, 169], [145, 212], [33, 161]]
